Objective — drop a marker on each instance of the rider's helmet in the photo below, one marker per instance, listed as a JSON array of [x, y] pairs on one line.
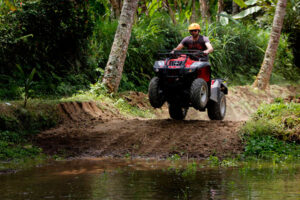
[[194, 26]]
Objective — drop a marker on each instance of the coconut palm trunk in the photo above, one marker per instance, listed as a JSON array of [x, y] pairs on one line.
[[116, 60], [116, 7], [263, 77], [235, 8], [171, 12], [204, 8], [220, 8], [193, 17]]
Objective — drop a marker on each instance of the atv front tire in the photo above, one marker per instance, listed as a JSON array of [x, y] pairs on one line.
[[217, 110], [155, 94], [199, 94], [177, 112]]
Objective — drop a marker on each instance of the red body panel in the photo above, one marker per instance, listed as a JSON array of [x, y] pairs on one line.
[[203, 73]]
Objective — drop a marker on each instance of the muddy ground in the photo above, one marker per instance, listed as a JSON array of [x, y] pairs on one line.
[[90, 130]]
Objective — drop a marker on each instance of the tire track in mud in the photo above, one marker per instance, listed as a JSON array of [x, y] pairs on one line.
[[158, 138]]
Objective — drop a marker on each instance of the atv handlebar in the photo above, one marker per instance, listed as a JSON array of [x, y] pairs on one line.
[[193, 54]]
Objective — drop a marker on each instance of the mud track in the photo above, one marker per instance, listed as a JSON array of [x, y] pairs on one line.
[[86, 131]]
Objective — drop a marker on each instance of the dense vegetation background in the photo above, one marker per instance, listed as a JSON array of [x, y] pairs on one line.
[[68, 43]]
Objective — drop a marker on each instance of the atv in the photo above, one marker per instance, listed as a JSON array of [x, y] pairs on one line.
[[183, 80]]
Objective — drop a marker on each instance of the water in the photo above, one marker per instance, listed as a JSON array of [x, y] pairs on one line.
[[125, 179]]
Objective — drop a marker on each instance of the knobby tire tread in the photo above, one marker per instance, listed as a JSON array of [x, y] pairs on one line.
[[195, 93], [213, 109]]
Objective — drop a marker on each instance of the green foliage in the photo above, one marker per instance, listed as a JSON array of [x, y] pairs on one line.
[[213, 161], [266, 146], [241, 3], [149, 35], [27, 83], [9, 150], [247, 12], [284, 57], [55, 45], [292, 27], [11, 137], [174, 157], [239, 51], [70, 41], [281, 120], [190, 169], [19, 126], [126, 108], [16, 131], [273, 130], [28, 120]]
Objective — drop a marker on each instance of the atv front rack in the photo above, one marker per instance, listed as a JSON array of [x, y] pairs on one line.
[[193, 54]]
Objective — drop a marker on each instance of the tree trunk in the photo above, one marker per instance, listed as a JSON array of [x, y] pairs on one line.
[[204, 8], [171, 13], [263, 77], [193, 17], [235, 8], [115, 8], [116, 60], [220, 8]]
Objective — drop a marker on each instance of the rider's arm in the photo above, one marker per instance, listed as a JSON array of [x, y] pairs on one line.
[[179, 47], [209, 49]]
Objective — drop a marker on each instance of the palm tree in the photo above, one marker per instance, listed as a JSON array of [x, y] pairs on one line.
[[263, 77], [116, 60]]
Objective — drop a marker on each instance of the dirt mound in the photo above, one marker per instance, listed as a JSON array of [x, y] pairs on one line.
[[86, 111], [96, 129], [79, 111], [145, 138]]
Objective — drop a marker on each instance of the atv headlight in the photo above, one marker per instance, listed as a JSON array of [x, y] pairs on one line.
[[195, 64], [161, 63]]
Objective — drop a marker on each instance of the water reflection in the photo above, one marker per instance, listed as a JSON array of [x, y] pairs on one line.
[[119, 179]]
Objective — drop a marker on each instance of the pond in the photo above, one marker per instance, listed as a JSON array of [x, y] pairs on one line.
[[145, 179]]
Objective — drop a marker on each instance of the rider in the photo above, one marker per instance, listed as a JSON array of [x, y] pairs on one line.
[[195, 41]]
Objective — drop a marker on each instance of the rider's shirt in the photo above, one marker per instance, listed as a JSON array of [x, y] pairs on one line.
[[199, 44]]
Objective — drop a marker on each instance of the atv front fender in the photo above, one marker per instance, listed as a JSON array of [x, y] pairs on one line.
[[217, 86], [199, 65]]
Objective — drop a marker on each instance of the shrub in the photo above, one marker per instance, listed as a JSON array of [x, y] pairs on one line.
[[273, 129], [51, 36], [19, 125]]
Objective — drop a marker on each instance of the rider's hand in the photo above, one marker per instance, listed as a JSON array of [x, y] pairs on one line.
[[205, 52]]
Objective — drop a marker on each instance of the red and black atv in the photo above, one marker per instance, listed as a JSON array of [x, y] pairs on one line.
[[183, 79]]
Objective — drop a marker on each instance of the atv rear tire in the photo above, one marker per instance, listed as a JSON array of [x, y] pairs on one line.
[[177, 112], [155, 95], [217, 110], [199, 94]]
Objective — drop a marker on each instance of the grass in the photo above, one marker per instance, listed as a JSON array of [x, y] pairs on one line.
[[273, 133], [18, 126]]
